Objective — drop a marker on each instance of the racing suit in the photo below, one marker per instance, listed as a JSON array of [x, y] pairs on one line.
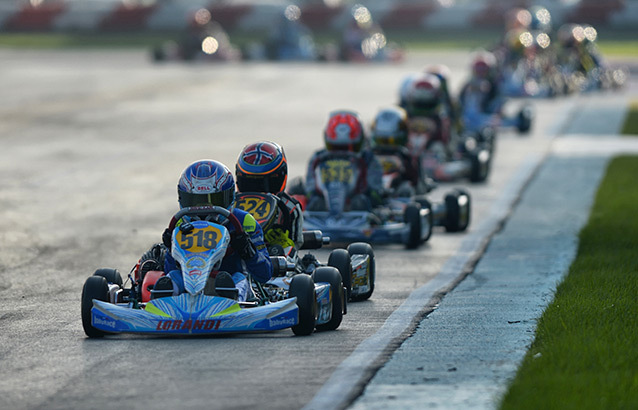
[[259, 265], [369, 184], [411, 170], [490, 101]]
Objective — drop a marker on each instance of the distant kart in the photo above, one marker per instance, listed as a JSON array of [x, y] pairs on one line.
[[343, 214], [470, 159], [210, 44], [453, 213], [356, 263], [307, 302]]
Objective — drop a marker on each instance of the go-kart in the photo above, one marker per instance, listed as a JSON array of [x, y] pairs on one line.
[[307, 302], [482, 120], [208, 43], [453, 213], [470, 158], [356, 263], [345, 215]]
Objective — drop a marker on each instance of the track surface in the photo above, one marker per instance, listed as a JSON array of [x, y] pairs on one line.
[[93, 144]]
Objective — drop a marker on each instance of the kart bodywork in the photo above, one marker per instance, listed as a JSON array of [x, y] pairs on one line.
[[344, 215], [198, 247]]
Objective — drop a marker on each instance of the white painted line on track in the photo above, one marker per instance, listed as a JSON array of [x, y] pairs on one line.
[[349, 379]]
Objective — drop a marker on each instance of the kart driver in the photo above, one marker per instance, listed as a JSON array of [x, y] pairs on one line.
[[483, 82], [389, 133], [262, 167], [424, 100], [344, 133], [206, 183]]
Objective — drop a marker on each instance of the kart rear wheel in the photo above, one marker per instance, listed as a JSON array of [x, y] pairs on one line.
[[480, 168], [425, 204], [333, 277], [412, 217], [457, 208], [303, 288], [524, 119], [340, 259], [111, 276], [95, 287], [362, 248]]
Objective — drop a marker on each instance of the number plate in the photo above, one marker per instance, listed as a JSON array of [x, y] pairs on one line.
[[199, 239]]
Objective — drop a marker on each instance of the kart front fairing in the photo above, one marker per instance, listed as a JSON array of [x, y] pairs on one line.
[[188, 314]]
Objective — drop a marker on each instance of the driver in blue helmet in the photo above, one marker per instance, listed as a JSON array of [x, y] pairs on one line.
[[206, 183]]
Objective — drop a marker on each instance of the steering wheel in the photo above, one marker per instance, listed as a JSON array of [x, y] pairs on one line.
[[206, 211]]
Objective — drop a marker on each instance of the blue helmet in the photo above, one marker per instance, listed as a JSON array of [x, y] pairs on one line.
[[206, 182]]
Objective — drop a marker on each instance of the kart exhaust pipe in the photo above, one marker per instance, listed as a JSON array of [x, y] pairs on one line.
[[314, 240]]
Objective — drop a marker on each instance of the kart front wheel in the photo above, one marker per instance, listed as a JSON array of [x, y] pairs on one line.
[[333, 277], [111, 276], [95, 287], [362, 248], [340, 259], [303, 288], [412, 217]]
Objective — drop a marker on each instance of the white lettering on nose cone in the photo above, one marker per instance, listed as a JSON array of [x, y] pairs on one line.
[[109, 323], [287, 322]]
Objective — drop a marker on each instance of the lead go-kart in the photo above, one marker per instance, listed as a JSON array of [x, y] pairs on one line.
[[355, 263], [308, 302], [346, 216]]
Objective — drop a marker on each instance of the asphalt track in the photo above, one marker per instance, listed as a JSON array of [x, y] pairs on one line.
[[92, 146]]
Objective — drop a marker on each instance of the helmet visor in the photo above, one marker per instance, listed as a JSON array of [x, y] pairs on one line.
[[223, 199]]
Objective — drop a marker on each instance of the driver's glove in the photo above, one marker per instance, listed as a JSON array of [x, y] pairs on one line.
[[241, 243]]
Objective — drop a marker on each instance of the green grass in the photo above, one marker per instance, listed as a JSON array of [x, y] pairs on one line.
[[585, 354], [630, 127], [82, 40], [619, 48]]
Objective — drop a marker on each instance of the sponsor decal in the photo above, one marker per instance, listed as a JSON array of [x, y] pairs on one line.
[[206, 324], [104, 322], [279, 322], [195, 262], [194, 272]]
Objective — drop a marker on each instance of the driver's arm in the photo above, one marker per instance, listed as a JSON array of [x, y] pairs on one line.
[[259, 264]]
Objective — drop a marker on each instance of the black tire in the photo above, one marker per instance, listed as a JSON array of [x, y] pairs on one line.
[[479, 170], [525, 120], [452, 212], [340, 259], [111, 276], [158, 54], [333, 277], [362, 248], [412, 217], [95, 287], [425, 204], [303, 288], [465, 217]]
